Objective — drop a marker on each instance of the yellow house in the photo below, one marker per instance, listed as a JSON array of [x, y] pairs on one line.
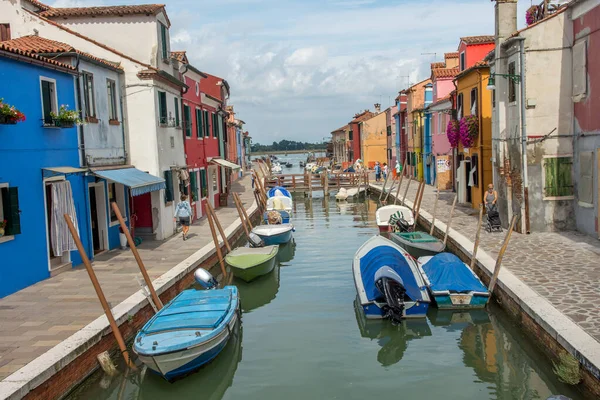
[[373, 137], [475, 157]]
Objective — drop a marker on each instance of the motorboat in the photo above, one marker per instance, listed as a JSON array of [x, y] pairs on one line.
[[274, 234], [418, 244], [280, 203], [400, 215], [388, 281], [282, 192], [190, 330], [451, 283], [248, 263]]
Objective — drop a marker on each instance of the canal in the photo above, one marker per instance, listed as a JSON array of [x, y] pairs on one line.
[[301, 337]]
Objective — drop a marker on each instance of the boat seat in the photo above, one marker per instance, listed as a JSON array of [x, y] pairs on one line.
[[190, 320]]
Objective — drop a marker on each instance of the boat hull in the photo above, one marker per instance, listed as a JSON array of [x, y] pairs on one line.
[[455, 301], [412, 310], [419, 249], [249, 274], [280, 238]]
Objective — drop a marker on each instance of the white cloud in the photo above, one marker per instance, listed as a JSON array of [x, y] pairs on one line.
[[307, 57], [182, 36]]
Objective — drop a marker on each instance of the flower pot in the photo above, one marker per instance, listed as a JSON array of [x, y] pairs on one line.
[[5, 120], [123, 240], [63, 124]]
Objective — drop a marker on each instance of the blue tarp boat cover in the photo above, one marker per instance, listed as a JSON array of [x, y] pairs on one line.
[[284, 192], [387, 255], [447, 272]]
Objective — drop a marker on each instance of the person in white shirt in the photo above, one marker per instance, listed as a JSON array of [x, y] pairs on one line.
[[183, 211]]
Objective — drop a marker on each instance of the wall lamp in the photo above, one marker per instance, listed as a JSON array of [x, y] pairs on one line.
[[492, 80]]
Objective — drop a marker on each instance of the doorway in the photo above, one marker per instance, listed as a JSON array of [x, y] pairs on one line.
[[56, 262], [142, 209], [98, 218], [213, 184]]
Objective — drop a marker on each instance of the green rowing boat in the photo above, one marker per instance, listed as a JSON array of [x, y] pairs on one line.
[[249, 263], [418, 244]]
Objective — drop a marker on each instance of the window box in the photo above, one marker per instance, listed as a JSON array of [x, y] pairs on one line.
[[114, 122], [9, 115], [60, 123], [92, 120], [4, 120]]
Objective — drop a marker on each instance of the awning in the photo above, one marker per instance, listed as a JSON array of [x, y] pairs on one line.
[[65, 170], [139, 182], [226, 164]]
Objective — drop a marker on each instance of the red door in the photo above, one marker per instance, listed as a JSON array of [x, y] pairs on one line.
[[142, 206]]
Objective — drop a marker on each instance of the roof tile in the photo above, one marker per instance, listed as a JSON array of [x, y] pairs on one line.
[[11, 48], [435, 65], [102, 11], [478, 39], [444, 72], [451, 55]]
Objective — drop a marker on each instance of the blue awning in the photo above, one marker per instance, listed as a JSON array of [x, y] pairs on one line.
[[139, 182]]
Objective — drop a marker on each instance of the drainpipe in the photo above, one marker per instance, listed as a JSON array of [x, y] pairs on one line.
[[480, 171], [455, 149], [524, 133], [81, 135], [125, 153]]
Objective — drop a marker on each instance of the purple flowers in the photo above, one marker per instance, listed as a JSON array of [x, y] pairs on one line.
[[452, 131], [468, 130], [530, 15]]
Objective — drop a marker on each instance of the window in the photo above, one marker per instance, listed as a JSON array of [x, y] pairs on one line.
[[459, 106], [389, 131], [88, 95], [350, 134], [176, 102], [169, 186], [49, 100], [116, 193], [215, 125], [475, 167], [439, 118], [199, 123], [215, 183], [474, 101], [194, 185], [557, 177], [462, 61], [188, 121], [206, 125], [512, 85], [162, 108], [9, 209], [203, 184], [164, 42], [579, 70], [113, 115], [4, 32]]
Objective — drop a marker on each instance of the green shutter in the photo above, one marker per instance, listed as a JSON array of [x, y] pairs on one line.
[[188, 121], [12, 214], [203, 183], [47, 101], [558, 179], [198, 123], [176, 111], [206, 125], [163, 37], [169, 188], [162, 107], [194, 185]]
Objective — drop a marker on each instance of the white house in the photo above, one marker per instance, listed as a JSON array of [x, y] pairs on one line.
[[150, 95]]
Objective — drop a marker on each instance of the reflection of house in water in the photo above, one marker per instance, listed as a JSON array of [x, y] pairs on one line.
[[393, 339]]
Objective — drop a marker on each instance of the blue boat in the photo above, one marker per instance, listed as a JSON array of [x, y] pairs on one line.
[[285, 216], [190, 330], [274, 234], [451, 283], [283, 192], [388, 281]]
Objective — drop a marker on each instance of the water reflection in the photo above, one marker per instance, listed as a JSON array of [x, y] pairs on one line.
[[287, 251], [393, 339], [259, 292]]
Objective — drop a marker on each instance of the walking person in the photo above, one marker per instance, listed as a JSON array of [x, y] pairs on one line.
[[377, 172], [491, 197], [385, 170], [398, 168], [183, 211]]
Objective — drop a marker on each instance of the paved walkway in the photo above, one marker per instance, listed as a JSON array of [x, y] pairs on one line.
[[563, 267], [41, 316]]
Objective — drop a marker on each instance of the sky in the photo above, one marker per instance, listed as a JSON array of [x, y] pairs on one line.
[[299, 69]]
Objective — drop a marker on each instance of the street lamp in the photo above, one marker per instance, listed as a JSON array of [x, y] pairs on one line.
[[492, 80]]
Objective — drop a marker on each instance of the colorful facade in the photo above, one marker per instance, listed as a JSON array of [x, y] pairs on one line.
[[401, 138], [414, 127], [354, 137], [374, 139]]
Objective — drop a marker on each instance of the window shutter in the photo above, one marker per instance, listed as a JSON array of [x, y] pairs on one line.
[[4, 32], [12, 214], [585, 186], [203, 183], [47, 100], [163, 37], [169, 186], [579, 70], [162, 106], [206, 125], [176, 100], [199, 124], [565, 179], [188, 121], [194, 185]]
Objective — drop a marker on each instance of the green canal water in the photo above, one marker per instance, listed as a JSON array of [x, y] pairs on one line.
[[301, 337]]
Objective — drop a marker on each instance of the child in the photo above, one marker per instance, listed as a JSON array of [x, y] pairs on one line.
[[385, 170]]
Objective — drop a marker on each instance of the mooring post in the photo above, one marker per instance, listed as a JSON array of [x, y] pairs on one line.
[[501, 255], [137, 257], [99, 292], [476, 245], [435, 204], [211, 210], [326, 183], [383, 188], [217, 244], [410, 178], [242, 220], [450, 219], [419, 199], [398, 188]]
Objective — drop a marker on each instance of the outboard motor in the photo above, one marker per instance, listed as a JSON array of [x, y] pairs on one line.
[[255, 240], [401, 225], [205, 279], [391, 287]]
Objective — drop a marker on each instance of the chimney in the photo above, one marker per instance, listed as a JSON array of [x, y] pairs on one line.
[[378, 107], [506, 20]]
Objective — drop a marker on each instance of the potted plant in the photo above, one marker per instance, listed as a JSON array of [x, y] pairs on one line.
[[468, 130], [65, 118], [530, 15], [9, 114], [452, 131], [2, 227]]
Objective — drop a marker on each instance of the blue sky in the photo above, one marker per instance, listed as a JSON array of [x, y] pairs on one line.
[[299, 69]]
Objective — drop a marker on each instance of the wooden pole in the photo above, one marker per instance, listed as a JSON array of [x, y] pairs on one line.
[[398, 188], [137, 257], [216, 242], [414, 207], [211, 210], [406, 190], [450, 219], [437, 197], [242, 209], [99, 292], [383, 188], [235, 200], [501, 255], [474, 256], [419, 204]]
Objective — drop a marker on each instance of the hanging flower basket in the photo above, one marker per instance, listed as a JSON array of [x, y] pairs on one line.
[[468, 130], [452, 131], [9, 115], [65, 118]]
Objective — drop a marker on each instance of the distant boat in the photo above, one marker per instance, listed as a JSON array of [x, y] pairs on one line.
[[282, 192], [451, 283], [383, 215], [249, 263], [190, 330], [388, 281], [342, 194], [289, 164], [302, 164], [418, 244]]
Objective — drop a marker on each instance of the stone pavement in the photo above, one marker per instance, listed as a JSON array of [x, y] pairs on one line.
[[563, 267], [41, 316]]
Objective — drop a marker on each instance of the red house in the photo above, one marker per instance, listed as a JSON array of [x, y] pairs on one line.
[[472, 49], [354, 139]]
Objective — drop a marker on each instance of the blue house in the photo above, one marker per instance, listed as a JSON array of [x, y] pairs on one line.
[[428, 158], [40, 178]]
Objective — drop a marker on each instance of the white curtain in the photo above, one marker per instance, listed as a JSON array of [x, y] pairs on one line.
[[62, 203]]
